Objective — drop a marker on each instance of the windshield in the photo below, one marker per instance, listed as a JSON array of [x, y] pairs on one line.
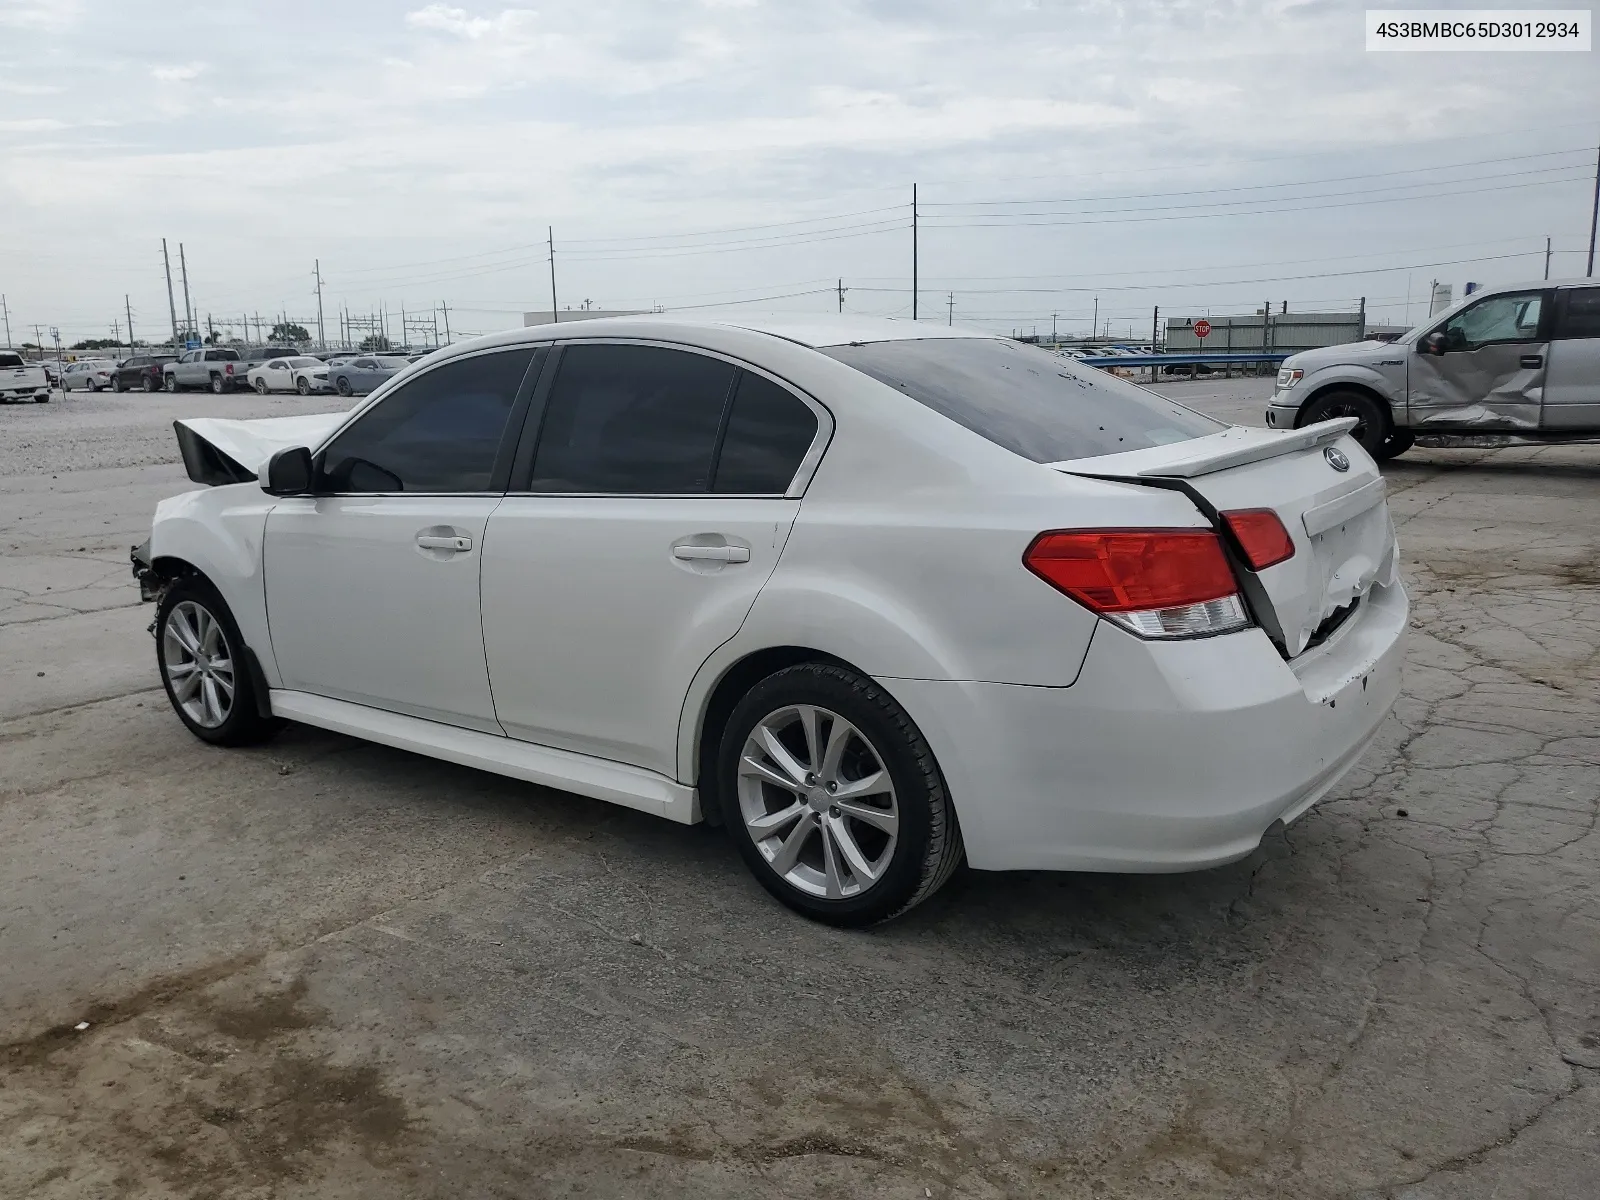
[[1036, 404]]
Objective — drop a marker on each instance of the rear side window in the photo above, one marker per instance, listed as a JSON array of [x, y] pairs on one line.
[[769, 431], [439, 433], [1580, 316], [1031, 402], [11, 361], [631, 419]]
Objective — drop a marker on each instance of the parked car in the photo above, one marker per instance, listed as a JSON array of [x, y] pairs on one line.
[[140, 372], [220, 369], [22, 380], [1507, 365], [90, 374], [300, 373], [360, 375], [876, 595], [52, 371]]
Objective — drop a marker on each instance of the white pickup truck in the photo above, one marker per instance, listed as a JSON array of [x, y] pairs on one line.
[[20, 380]]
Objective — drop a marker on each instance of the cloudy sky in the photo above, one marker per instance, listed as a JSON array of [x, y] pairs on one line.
[[1200, 156]]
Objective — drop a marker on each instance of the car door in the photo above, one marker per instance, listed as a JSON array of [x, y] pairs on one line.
[[372, 583], [1492, 371], [279, 377], [646, 513], [1572, 380]]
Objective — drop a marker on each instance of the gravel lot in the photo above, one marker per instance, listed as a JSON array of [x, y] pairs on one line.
[[323, 968]]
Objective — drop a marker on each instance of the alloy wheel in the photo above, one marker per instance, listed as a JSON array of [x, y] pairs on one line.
[[818, 802], [1337, 410], [199, 664]]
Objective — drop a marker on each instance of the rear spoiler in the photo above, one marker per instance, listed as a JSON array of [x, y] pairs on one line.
[[1233, 447], [218, 451]]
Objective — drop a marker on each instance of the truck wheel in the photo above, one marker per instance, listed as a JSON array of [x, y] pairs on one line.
[[217, 385], [205, 668], [1374, 427], [833, 797], [170, 382]]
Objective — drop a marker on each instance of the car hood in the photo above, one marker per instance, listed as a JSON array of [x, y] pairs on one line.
[[1352, 353], [217, 450]]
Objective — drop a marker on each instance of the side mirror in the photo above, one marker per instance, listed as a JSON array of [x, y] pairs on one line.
[[289, 472], [1434, 343]]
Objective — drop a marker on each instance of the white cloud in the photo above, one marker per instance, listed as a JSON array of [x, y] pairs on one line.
[[442, 18], [178, 73]]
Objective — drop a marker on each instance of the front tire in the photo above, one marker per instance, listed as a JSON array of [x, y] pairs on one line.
[[116, 383], [833, 797], [261, 387], [149, 384], [1374, 426], [204, 667], [170, 383], [302, 386], [343, 386]]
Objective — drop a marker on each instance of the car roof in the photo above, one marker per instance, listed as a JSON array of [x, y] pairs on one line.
[[817, 330]]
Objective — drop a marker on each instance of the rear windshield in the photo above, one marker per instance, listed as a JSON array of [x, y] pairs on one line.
[[1034, 403], [10, 360], [305, 362]]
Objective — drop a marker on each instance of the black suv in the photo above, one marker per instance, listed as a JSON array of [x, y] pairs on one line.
[[140, 371]]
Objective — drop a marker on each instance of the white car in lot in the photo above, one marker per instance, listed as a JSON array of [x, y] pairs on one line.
[[876, 596], [300, 373], [90, 374]]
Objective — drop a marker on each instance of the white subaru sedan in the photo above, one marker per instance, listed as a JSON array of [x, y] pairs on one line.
[[878, 597]]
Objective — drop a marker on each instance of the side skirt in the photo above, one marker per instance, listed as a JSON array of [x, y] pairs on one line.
[[601, 779]]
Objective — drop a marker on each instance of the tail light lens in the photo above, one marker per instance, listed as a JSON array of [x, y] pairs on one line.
[[1261, 535], [1157, 583], [230, 368]]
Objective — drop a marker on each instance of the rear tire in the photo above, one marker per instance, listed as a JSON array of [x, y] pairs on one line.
[[149, 383], [1374, 426], [205, 669], [217, 385], [872, 833]]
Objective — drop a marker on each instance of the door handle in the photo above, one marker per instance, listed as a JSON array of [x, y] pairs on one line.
[[433, 541], [1532, 362], [727, 554]]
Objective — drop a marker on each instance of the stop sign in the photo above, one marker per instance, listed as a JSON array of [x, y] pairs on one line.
[[1202, 328]]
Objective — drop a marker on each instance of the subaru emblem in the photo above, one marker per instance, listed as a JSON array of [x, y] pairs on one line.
[[1336, 458]]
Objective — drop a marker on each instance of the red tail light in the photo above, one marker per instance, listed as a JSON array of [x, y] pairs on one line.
[[1261, 535]]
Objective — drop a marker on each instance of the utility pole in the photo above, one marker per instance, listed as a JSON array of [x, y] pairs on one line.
[[841, 295], [259, 342], [1547, 258], [1594, 216], [445, 308], [188, 313], [322, 340], [950, 310], [129, 309], [1155, 335], [172, 308], [913, 252], [7, 312], [1361, 334], [555, 314], [211, 329], [1094, 326], [405, 335]]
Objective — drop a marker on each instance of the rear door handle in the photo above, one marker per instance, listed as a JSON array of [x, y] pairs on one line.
[[727, 554], [434, 541], [1532, 362]]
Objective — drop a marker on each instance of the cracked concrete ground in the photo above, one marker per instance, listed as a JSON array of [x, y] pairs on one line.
[[323, 968]]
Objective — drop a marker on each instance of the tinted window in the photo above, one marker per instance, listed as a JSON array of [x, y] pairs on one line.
[[10, 361], [1033, 403], [1513, 317], [439, 433], [769, 432], [1581, 318], [631, 419]]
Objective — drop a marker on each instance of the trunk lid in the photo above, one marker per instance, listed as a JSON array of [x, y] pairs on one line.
[[1344, 541]]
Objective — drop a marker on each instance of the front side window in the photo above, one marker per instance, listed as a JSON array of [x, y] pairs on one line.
[[1031, 402], [631, 419], [768, 433], [1581, 316], [441, 432], [1513, 317]]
